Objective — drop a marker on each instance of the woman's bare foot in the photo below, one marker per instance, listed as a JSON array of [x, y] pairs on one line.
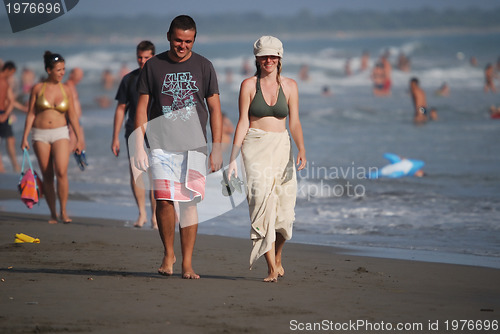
[[188, 272], [53, 219], [65, 218], [167, 266], [280, 270], [140, 222], [272, 278], [190, 275]]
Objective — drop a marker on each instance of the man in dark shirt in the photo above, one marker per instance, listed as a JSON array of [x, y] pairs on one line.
[[127, 97]]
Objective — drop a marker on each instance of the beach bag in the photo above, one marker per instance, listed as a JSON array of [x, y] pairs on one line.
[[29, 183]]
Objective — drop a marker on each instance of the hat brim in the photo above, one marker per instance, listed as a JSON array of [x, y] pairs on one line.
[[267, 52]]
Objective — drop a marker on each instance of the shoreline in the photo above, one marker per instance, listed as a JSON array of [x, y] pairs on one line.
[[83, 207], [419, 255], [95, 276]]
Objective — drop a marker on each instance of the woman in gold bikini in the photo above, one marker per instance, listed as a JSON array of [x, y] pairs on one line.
[[50, 109]]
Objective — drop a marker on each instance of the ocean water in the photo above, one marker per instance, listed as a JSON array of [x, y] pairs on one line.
[[450, 215]]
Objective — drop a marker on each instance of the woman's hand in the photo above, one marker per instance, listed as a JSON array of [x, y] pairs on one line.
[[25, 145], [78, 147], [301, 160], [232, 168]]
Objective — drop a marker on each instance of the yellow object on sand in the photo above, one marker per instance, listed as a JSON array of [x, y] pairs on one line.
[[21, 237]]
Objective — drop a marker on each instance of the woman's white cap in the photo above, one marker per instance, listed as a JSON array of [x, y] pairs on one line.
[[268, 46]]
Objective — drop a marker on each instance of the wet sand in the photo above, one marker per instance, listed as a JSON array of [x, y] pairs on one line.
[[96, 276]]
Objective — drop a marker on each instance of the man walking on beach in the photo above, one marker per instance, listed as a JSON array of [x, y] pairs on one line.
[[177, 84], [7, 102], [127, 97]]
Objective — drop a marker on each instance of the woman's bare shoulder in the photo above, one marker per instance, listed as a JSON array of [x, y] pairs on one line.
[[289, 86], [248, 85], [249, 81], [67, 88], [37, 87], [288, 82]]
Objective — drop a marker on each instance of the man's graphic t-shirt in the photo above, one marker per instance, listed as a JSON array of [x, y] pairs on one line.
[[177, 92]]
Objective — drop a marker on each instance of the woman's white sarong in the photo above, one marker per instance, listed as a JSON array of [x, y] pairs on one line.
[[271, 187]]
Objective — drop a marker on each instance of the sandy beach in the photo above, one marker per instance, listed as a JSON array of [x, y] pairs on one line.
[[96, 276]]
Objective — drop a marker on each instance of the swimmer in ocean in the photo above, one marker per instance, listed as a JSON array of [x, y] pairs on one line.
[[419, 102]]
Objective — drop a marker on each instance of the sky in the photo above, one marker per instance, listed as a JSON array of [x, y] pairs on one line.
[[266, 7]]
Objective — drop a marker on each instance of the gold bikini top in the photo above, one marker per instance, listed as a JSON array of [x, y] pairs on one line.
[[42, 103]]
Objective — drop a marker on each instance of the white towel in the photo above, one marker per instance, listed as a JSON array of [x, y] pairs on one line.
[[271, 187]]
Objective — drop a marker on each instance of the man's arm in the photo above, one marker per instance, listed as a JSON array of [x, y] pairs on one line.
[[141, 118], [4, 94], [214, 108], [117, 125], [14, 103]]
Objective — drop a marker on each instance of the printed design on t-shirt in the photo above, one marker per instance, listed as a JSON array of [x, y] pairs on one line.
[[182, 88]]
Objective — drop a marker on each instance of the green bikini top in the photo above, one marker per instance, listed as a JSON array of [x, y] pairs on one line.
[[260, 108]]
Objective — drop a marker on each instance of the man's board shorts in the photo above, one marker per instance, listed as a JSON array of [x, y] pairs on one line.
[[5, 128], [178, 176]]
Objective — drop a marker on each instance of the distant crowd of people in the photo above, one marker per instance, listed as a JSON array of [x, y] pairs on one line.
[[381, 77]]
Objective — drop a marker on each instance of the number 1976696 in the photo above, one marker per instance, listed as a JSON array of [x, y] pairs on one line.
[[33, 8], [471, 325]]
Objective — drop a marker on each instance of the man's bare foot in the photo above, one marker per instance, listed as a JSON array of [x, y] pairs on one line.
[[167, 267], [190, 275], [272, 278]]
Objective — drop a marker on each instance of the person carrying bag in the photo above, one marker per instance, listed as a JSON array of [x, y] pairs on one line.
[[29, 182]]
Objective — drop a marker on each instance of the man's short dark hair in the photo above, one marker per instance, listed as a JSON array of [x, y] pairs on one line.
[[183, 22], [9, 65], [145, 46]]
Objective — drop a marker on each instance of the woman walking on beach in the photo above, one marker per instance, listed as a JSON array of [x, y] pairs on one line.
[[50, 108], [266, 101]]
